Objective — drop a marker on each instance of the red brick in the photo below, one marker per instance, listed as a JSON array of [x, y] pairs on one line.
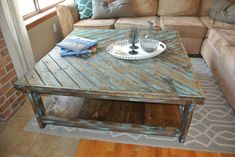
[[13, 80], [2, 100], [4, 88], [4, 52], [4, 60], [7, 77], [18, 102], [6, 114], [9, 66], [2, 72], [4, 107], [10, 92], [8, 103], [19, 93]]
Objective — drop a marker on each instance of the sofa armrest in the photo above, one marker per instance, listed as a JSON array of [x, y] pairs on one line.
[[67, 14]]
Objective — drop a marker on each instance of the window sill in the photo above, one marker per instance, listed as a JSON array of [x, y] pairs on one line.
[[39, 18]]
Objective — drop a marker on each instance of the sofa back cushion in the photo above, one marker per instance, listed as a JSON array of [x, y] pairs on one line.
[[223, 10], [145, 7], [115, 9], [205, 6], [178, 7]]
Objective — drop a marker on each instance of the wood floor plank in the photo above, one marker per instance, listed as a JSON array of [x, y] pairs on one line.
[[90, 148]]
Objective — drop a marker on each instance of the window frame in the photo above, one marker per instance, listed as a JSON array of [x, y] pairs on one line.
[[39, 10]]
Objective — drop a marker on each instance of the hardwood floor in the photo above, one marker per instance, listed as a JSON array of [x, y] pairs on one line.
[[90, 148]]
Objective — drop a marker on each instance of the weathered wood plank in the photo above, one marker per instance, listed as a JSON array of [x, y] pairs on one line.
[[33, 78], [132, 79], [141, 79], [115, 75], [114, 111], [38, 108], [70, 70], [91, 75], [162, 115], [111, 126], [59, 73], [46, 75], [186, 120], [21, 83]]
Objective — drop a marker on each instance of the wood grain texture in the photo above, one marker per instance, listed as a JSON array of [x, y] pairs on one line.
[[88, 148], [113, 115], [168, 77], [114, 111]]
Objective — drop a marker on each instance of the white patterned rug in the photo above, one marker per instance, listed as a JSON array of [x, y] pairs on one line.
[[212, 128]]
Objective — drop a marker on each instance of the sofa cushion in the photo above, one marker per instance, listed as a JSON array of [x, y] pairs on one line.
[[224, 75], [216, 24], [95, 24], [205, 6], [145, 7], [114, 9], [220, 38], [139, 22], [223, 10], [190, 27], [178, 7], [192, 45], [228, 56]]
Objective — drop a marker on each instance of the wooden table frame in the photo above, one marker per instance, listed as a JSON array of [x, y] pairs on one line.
[[186, 113], [185, 93]]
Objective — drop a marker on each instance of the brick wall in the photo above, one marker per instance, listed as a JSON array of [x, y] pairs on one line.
[[10, 99]]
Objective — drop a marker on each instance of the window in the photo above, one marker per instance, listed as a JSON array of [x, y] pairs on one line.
[[28, 8]]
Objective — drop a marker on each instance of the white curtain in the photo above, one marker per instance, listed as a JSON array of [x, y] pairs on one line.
[[16, 37]]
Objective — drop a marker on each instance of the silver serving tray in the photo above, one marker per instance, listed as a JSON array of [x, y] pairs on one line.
[[120, 50]]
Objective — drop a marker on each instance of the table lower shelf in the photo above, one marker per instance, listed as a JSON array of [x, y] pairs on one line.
[[145, 118]]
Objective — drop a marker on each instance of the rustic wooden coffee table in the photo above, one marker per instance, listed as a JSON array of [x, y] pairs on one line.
[[155, 96]]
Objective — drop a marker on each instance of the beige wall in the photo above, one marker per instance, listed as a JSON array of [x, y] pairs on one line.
[[43, 38]]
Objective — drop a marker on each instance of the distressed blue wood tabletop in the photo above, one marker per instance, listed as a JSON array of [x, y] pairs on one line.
[[168, 77]]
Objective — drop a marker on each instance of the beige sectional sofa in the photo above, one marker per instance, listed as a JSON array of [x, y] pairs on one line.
[[215, 40]]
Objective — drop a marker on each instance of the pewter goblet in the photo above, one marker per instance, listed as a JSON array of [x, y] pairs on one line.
[[133, 39]]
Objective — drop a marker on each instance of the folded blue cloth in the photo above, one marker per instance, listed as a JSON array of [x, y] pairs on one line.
[[65, 52]]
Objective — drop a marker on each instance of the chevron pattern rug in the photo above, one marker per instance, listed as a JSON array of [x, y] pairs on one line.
[[212, 128]]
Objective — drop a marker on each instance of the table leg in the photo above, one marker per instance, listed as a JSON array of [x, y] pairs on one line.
[[186, 118], [38, 108]]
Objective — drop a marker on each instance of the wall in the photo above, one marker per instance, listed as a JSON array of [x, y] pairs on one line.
[[43, 38], [10, 99]]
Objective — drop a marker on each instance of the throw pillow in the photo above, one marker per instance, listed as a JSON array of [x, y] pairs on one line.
[[102, 9], [223, 10], [84, 8]]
